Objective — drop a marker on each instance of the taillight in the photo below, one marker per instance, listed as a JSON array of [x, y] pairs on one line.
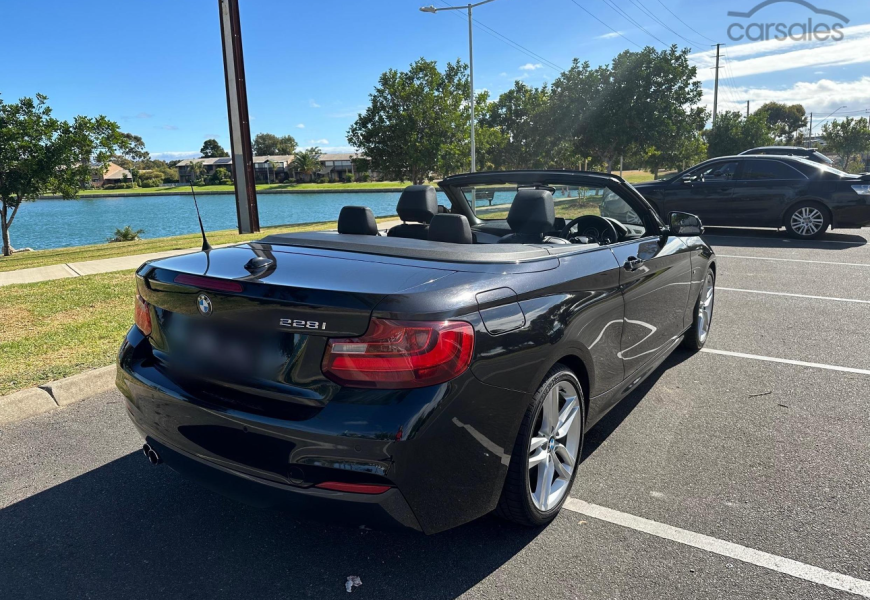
[[142, 315], [400, 354]]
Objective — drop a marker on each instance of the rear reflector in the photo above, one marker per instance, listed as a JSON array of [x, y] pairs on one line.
[[356, 488], [400, 354], [142, 315], [209, 283]]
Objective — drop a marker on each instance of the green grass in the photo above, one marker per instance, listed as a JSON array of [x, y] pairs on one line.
[[42, 258], [365, 185], [55, 329]]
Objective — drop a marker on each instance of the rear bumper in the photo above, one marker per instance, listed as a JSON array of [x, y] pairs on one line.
[[443, 449], [853, 216]]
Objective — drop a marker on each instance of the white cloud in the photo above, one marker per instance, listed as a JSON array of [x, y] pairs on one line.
[[168, 127], [319, 142], [329, 149], [175, 155], [772, 56], [608, 36], [301, 126], [144, 115], [502, 74], [531, 67], [820, 97], [313, 104]]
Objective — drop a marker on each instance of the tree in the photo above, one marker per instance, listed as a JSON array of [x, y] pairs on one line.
[[786, 121], [195, 171], [40, 154], [269, 144], [847, 138], [211, 149], [307, 161], [519, 120], [642, 100], [733, 133], [128, 234], [417, 120]]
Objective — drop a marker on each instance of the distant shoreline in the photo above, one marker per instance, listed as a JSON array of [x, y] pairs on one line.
[[181, 191]]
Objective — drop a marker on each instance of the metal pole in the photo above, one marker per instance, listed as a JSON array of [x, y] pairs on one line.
[[237, 109], [747, 109], [810, 137], [716, 86], [471, 93]]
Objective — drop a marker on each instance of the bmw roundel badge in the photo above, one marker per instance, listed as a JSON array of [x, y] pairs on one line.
[[203, 303]]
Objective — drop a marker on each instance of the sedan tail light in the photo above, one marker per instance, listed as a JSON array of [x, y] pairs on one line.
[[142, 315], [400, 354], [863, 190]]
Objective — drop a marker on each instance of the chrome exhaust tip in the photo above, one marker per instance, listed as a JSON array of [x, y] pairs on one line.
[[151, 454]]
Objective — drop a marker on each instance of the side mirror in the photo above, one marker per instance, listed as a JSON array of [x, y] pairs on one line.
[[685, 224], [689, 178]]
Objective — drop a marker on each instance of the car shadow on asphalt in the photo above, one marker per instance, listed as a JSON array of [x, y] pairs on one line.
[[732, 237], [602, 430], [130, 530]]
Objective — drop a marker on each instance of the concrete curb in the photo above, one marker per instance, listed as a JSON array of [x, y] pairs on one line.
[[25, 404], [81, 386], [63, 392]]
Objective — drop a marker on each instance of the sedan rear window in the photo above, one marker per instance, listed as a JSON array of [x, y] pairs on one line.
[[754, 170]]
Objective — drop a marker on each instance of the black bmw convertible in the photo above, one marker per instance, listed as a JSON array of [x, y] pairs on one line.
[[430, 373]]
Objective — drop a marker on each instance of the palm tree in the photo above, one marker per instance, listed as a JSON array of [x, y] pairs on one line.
[[307, 161], [270, 167], [195, 171]]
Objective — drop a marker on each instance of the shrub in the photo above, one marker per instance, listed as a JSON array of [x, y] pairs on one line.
[[366, 176], [126, 235], [348, 177], [856, 165], [322, 180], [151, 182]]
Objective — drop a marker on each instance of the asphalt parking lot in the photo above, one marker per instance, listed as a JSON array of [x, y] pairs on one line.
[[738, 472]]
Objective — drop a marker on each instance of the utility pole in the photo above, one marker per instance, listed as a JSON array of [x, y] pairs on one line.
[[237, 109], [810, 136], [747, 109], [716, 86]]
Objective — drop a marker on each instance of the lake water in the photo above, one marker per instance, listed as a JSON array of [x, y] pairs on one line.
[[59, 223]]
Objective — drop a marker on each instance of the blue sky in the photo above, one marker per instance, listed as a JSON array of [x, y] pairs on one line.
[[156, 67]]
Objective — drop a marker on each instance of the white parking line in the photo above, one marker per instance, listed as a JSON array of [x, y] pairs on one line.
[[797, 260], [830, 579], [719, 288], [786, 240], [787, 361]]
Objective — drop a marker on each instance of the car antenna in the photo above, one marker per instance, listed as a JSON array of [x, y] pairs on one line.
[[206, 247]]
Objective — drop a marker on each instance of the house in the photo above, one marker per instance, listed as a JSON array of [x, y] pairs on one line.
[[113, 174], [277, 168]]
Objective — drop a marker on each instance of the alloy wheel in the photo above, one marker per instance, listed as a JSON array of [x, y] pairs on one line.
[[705, 308], [554, 448], [807, 221]]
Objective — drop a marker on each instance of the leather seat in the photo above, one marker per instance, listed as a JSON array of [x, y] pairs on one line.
[[453, 229], [532, 214], [357, 220], [417, 205]]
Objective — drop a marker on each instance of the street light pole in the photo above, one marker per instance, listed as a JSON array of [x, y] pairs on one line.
[[468, 7], [810, 140]]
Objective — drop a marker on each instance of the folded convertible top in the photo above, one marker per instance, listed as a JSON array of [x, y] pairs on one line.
[[410, 248]]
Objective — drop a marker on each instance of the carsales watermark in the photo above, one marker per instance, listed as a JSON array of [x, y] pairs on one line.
[[820, 26]]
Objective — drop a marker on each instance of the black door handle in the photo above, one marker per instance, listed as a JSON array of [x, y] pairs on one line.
[[632, 263]]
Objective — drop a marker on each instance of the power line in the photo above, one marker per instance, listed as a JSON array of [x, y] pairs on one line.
[[583, 8], [507, 40], [684, 23], [652, 15], [628, 18]]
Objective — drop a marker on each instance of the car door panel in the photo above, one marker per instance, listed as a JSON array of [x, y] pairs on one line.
[[655, 279]]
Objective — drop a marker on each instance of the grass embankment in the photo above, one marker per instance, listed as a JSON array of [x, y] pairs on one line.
[[229, 189], [59, 328], [58, 256]]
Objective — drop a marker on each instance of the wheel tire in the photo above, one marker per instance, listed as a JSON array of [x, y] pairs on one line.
[[518, 503], [807, 220], [697, 334]]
